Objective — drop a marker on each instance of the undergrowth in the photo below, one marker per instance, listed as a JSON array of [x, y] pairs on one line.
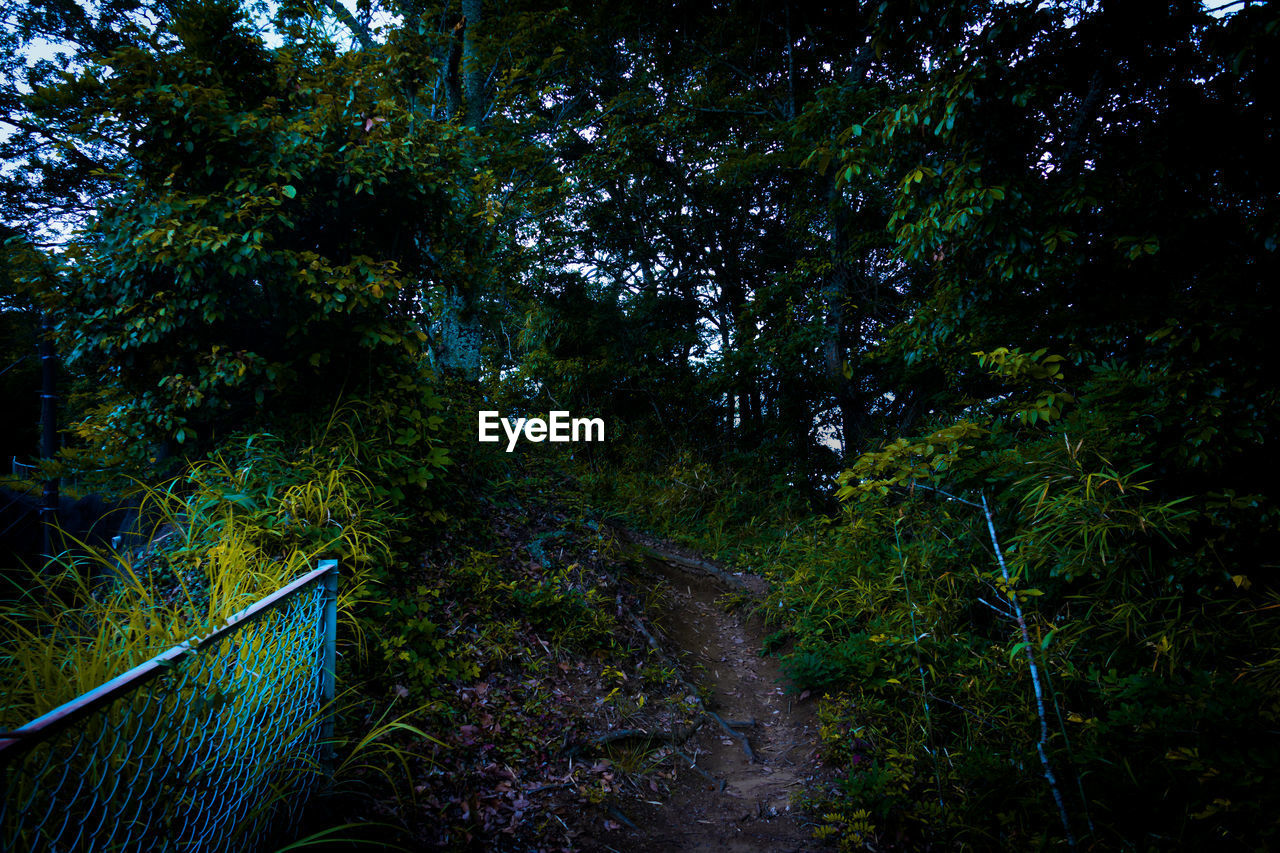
[[228, 533], [1091, 664], [232, 528]]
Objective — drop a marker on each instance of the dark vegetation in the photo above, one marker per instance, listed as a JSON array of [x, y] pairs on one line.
[[949, 319]]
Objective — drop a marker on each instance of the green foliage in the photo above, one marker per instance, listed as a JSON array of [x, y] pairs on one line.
[[233, 530], [216, 281], [1015, 365], [571, 616], [1088, 522], [1144, 641], [1015, 255], [714, 508], [903, 461], [938, 694], [472, 591], [283, 226]]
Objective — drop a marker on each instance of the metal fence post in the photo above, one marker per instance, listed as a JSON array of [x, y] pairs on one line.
[[48, 434], [328, 675]]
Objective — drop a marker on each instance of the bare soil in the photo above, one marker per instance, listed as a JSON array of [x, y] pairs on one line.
[[745, 805]]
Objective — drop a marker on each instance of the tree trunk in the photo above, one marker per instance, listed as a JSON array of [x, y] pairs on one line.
[[472, 73], [835, 295], [460, 330], [459, 336]]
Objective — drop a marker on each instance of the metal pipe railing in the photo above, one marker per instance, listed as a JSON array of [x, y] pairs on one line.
[[185, 759]]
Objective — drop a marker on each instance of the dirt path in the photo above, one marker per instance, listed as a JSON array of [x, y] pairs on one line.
[[719, 652]]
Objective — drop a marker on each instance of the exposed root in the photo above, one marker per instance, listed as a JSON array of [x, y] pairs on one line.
[[719, 783], [728, 726], [673, 738], [679, 560], [621, 818], [736, 735]]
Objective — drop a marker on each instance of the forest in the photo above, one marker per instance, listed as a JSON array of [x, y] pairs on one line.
[[921, 499]]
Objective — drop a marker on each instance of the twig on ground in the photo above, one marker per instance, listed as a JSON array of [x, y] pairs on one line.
[[613, 810], [541, 788], [719, 783], [674, 738]]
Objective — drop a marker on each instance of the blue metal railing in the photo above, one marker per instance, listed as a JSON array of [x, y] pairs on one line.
[[199, 749]]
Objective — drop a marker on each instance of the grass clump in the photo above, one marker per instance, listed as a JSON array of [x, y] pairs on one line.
[[232, 529]]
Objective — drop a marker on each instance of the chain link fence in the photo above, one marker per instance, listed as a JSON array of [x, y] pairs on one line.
[[205, 747]]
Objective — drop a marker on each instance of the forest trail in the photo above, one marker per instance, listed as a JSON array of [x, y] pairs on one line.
[[734, 804]]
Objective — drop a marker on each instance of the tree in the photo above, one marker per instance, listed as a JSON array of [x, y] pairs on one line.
[[277, 226]]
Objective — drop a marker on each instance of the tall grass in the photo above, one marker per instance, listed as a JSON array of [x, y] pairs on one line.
[[221, 537], [231, 530]]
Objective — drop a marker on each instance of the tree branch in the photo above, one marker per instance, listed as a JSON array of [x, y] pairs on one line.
[[359, 30], [1075, 137]]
